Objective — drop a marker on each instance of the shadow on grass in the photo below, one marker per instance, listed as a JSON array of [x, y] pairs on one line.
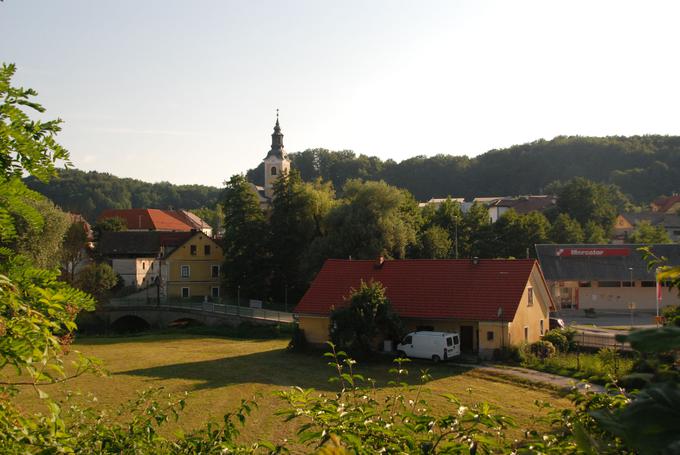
[[186, 333], [284, 368]]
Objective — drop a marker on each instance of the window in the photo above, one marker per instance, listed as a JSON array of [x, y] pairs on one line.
[[215, 271], [273, 171], [185, 271], [408, 340], [143, 265], [449, 341], [192, 249], [609, 284], [185, 293], [215, 292], [526, 334], [206, 250], [628, 284], [530, 296], [455, 339], [489, 335], [648, 284], [541, 326], [584, 284]]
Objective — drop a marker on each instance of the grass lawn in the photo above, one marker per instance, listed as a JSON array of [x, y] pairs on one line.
[[219, 372]]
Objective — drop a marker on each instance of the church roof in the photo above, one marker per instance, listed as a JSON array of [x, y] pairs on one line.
[[277, 150]]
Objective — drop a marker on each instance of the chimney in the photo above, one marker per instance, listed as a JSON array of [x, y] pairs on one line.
[[475, 260]]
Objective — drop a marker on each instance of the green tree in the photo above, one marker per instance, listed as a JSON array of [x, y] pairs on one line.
[[450, 217], [435, 244], [565, 229], [367, 317], [594, 233], [646, 233], [586, 201], [73, 248], [96, 279], [43, 244], [373, 219], [297, 218], [245, 268], [473, 233], [113, 224]]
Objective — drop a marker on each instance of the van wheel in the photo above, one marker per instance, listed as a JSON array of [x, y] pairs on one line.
[[436, 358], [401, 354]]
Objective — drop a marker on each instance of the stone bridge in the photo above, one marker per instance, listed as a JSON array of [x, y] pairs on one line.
[[142, 315]]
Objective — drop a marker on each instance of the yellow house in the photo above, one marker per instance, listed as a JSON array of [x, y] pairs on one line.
[[491, 303], [193, 270]]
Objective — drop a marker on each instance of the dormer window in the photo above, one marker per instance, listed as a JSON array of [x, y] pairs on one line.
[[273, 171]]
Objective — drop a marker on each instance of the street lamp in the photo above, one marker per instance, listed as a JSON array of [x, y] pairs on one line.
[[631, 305], [456, 236]]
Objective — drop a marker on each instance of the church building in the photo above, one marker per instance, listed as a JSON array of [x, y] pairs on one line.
[[275, 164]]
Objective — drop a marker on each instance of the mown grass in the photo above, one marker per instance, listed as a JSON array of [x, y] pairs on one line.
[[218, 372], [589, 366]]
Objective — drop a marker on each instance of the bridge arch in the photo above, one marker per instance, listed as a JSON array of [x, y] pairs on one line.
[[130, 323]]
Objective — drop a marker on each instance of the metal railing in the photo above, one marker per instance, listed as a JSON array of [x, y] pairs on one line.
[[204, 307], [591, 340]]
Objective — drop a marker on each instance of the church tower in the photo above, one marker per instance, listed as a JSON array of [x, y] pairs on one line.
[[276, 162]]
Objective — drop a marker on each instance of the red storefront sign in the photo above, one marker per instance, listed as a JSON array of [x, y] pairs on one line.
[[596, 252]]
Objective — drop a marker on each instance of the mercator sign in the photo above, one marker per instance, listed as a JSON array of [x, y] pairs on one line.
[[597, 252]]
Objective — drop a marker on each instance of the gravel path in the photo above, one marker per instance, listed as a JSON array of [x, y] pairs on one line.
[[540, 377]]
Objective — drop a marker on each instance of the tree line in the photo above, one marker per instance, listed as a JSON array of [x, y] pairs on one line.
[[275, 254], [644, 167], [90, 193]]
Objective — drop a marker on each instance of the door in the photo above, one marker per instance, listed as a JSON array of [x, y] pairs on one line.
[[467, 338]]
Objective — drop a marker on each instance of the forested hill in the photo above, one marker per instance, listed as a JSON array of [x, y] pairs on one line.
[[89, 193], [643, 166]]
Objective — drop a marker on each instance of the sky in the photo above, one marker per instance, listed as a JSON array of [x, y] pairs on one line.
[[187, 91]]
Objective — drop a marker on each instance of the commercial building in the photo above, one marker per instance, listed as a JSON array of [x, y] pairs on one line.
[[610, 278]]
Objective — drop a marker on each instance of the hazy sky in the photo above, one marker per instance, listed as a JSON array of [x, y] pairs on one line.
[[186, 91]]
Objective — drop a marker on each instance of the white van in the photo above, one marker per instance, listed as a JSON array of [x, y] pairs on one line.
[[430, 345]]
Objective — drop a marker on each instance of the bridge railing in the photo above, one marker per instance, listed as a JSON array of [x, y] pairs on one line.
[[205, 307]]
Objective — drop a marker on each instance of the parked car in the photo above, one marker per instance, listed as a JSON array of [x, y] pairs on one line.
[[430, 345], [556, 323]]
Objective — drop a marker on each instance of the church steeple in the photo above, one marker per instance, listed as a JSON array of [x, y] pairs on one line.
[[277, 149], [276, 162]]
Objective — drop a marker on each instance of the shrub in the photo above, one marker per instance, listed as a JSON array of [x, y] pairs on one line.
[[298, 341], [509, 354], [609, 357], [671, 315], [558, 339], [542, 349]]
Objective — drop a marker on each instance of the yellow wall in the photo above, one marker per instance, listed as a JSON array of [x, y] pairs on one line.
[[200, 281], [530, 316], [315, 328]]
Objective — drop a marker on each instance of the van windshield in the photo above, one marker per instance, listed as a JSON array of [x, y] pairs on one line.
[[449, 341], [407, 340]]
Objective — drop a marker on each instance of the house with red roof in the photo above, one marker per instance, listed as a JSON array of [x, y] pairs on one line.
[[159, 220], [670, 204], [490, 302]]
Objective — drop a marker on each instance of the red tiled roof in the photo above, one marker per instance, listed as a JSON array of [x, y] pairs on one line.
[[664, 204], [149, 219], [421, 288], [134, 218]]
